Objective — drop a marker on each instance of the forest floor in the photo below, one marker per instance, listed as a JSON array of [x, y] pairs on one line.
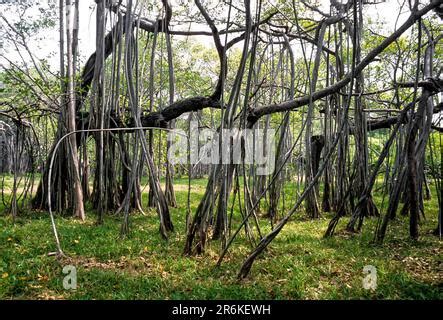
[[299, 263]]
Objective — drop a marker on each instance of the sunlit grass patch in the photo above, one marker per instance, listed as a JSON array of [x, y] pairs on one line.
[[299, 263]]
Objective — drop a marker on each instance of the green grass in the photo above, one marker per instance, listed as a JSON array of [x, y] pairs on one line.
[[299, 264]]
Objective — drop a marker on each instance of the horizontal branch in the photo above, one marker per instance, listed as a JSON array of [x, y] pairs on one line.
[[389, 122], [431, 84], [175, 110]]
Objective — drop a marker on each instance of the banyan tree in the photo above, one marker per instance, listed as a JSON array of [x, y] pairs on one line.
[[318, 76]]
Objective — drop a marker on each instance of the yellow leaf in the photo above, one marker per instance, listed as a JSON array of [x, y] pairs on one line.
[[76, 241], [5, 275]]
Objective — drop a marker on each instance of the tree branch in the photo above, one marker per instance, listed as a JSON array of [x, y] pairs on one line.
[[255, 114]]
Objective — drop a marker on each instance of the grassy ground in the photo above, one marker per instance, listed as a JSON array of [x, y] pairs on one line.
[[299, 264]]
